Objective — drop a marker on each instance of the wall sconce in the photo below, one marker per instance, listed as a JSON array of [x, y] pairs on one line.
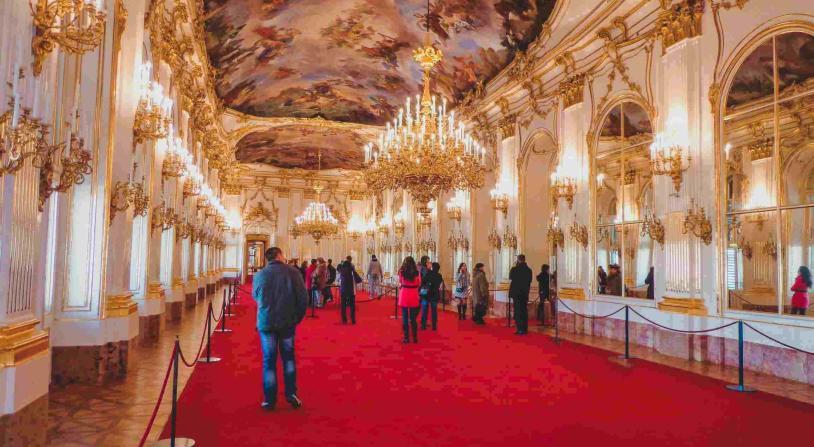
[[454, 212], [500, 201], [397, 246], [426, 246], [183, 229], [746, 248], [563, 187], [294, 231], [408, 247], [371, 251], [555, 237], [354, 235], [23, 137], [696, 221], [602, 234], [494, 240], [456, 242], [452, 241], [770, 248], [152, 120], [164, 218], [77, 26], [398, 228], [384, 230], [509, 239], [668, 159], [126, 194], [579, 233], [652, 226]]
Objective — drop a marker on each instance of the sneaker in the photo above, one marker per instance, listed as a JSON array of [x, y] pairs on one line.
[[294, 401], [268, 406]]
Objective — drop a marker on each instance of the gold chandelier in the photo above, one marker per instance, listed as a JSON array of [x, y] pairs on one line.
[[425, 150], [316, 219]]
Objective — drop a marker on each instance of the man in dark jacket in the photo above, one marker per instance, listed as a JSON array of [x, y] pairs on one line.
[[431, 281], [520, 276], [281, 304], [328, 297], [348, 278]]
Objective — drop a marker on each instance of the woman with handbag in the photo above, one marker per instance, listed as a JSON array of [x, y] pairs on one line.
[[409, 282], [461, 289]]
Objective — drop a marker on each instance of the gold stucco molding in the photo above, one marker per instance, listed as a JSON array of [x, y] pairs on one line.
[[120, 305], [687, 306], [21, 341]]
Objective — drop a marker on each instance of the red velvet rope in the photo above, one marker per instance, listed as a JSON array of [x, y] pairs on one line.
[[160, 397]]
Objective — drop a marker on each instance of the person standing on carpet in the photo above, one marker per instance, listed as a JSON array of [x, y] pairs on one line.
[[520, 284], [319, 281], [480, 294], [374, 277], [544, 290], [799, 300], [461, 289], [331, 280], [409, 282], [431, 281], [348, 278], [282, 300]]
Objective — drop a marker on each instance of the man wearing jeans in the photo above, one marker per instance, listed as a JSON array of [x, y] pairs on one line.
[[281, 304]]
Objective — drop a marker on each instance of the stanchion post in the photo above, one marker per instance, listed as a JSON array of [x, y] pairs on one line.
[[210, 314], [509, 312], [740, 387], [556, 326], [223, 318], [626, 355], [173, 441], [395, 315]]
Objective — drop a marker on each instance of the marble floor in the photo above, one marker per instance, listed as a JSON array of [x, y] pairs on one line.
[[116, 414]]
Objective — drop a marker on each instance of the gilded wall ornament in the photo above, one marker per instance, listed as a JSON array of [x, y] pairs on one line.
[[76, 26], [697, 223], [680, 21], [571, 90]]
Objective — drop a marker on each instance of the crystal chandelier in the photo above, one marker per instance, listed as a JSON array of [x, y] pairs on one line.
[[316, 219], [425, 151]]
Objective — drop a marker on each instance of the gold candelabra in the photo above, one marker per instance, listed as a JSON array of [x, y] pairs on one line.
[[652, 226], [746, 248], [668, 159], [556, 238], [770, 248], [127, 194], [354, 234], [494, 239], [697, 222], [398, 228], [408, 247], [294, 231], [563, 187], [23, 137], [77, 26], [500, 201], [164, 217], [579, 233], [454, 212], [509, 238]]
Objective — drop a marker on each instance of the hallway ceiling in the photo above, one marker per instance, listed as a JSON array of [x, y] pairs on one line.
[[351, 60]]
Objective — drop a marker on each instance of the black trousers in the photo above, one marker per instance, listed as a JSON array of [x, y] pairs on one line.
[[349, 301], [521, 313]]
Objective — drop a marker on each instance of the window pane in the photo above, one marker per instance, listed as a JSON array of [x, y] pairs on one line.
[[753, 83], [749, 152], [638, 261], [798, 248], [608, 254], [797, 150], [608, 184], [751, 269], [795, 63]]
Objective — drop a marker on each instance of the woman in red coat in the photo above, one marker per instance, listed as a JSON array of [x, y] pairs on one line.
[[799, 301], [409, 282]]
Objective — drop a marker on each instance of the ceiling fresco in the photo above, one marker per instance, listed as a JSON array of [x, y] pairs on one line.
[[298, 147], [351, 60]]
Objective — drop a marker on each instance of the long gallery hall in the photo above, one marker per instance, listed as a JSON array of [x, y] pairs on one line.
[[406, 223]]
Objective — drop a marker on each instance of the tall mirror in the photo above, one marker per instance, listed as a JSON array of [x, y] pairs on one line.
[[768, 144], [624, 196]]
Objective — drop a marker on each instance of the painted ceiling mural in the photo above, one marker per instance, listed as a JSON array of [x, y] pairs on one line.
[[351, 60], [298, 146]]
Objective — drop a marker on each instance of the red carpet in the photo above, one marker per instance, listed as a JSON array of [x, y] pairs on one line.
[[467, 386]]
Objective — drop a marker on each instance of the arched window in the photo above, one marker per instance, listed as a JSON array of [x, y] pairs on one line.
[[623, 195], [768, 144]]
